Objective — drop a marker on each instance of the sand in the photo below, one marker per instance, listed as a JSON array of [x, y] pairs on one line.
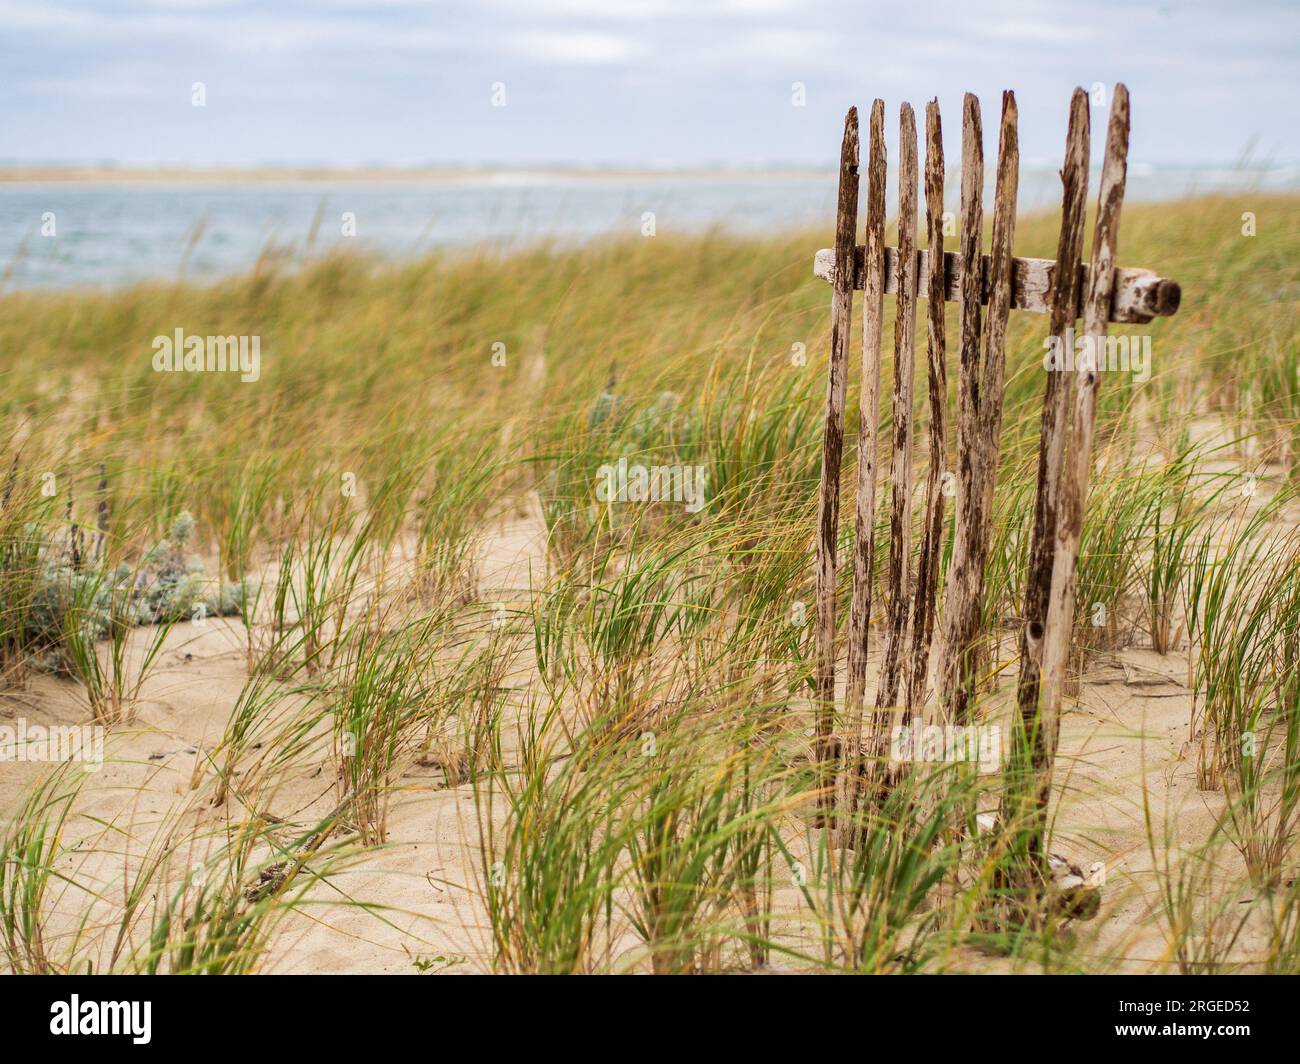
[[1127, 732]]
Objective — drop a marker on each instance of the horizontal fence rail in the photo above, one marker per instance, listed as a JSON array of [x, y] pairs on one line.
[[1139, 295]]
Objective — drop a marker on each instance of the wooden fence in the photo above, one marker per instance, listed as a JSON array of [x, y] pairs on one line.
[[942, 690]]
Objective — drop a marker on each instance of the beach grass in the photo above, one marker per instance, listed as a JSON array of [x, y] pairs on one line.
[[629, 721]]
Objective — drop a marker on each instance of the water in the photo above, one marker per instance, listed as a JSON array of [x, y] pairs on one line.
[[112, 234]]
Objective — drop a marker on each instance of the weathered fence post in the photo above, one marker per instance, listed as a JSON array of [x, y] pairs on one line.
[[1077, 468], [873, 283], [900, 466], [981, 424], [828, 508], [927, 569], [868, 412], [961, 595], [1034, 746], [995, 336]]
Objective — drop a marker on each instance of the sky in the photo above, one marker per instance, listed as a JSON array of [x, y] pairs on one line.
[[634, 83]]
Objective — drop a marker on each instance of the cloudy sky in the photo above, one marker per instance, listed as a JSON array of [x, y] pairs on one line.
[[621, 82]]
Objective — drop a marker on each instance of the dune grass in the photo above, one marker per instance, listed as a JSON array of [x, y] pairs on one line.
[[633, 735]]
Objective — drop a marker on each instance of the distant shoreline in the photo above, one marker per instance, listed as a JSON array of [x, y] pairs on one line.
[[497, 177], [113, 175]]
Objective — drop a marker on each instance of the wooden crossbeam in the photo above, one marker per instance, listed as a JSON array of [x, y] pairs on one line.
[[1138, 297]]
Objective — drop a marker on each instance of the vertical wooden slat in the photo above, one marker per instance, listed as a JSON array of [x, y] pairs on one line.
[[927, 573], [828, 506], [1078, 459], [1037, 740], [1001, 253], [985, 439], [900, 468], [960, 592], [868, 413]]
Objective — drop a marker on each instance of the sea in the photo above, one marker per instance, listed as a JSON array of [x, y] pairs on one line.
[[107, 234]]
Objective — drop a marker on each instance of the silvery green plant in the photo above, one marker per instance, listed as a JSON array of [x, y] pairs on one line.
[[76, 604]]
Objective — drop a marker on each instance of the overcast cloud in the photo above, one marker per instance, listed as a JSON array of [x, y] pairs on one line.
[[620, 82]]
